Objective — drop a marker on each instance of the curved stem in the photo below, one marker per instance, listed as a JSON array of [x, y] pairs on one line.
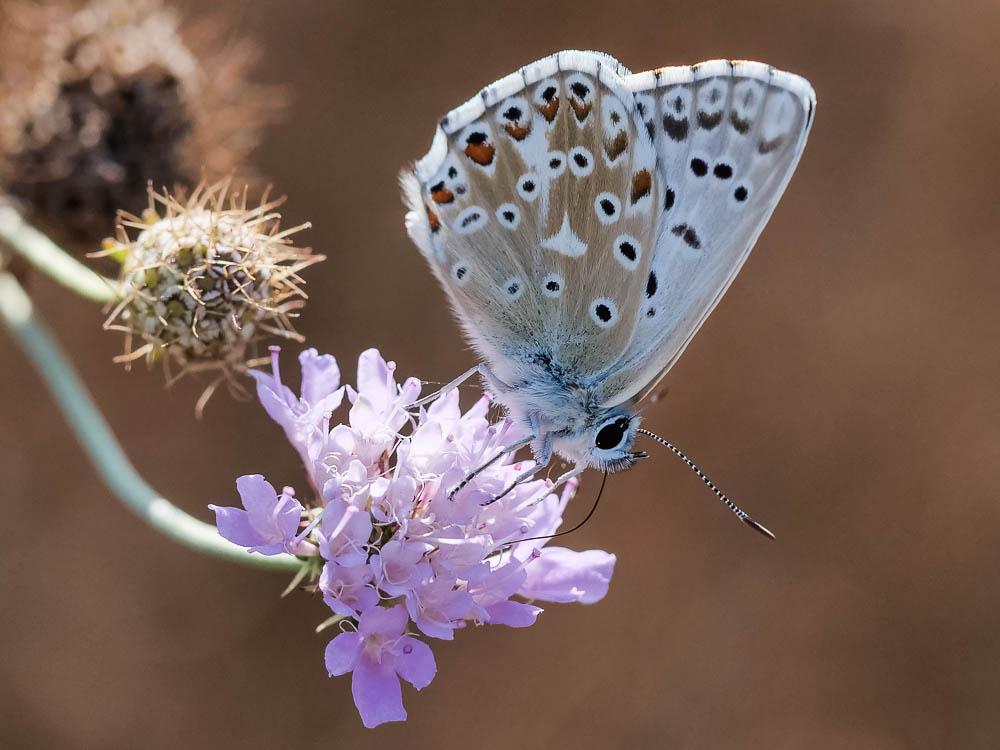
[[18, 315], [51, 259]]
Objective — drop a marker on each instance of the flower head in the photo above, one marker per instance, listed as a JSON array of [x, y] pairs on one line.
[[102, 98], [400, 555], [204, 278]]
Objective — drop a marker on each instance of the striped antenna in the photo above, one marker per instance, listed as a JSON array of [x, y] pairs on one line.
[[740, 513]]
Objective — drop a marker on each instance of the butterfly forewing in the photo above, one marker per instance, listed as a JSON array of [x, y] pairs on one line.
[[537, 208], [728, 136]]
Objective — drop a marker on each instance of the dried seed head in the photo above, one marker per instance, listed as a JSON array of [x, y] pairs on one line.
[[100, 100], [202, 281]]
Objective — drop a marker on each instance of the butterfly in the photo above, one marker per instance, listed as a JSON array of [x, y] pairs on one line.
[[584, 221]]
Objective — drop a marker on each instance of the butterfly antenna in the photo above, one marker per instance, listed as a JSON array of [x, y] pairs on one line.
[[740, 513], [575, 528]]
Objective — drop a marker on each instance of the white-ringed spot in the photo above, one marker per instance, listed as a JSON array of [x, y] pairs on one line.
[[581, 161], [460, 273], [604, 312], [529, 186], [509, 216], [512, 288], [552, 285], [627, 251], [608, 208], [470, 220]]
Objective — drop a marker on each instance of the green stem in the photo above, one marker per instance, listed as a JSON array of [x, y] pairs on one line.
[[51, 259], [20, 318]]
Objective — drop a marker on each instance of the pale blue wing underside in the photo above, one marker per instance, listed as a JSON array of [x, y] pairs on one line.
[[728, 136]]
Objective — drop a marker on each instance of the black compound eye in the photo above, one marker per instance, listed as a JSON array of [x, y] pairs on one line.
[[611, 435]]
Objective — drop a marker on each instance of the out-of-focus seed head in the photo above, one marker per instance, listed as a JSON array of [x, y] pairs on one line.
[[205, 278], [101, 99]]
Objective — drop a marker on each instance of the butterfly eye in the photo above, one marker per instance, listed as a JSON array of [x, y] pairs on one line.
[[611, 435]]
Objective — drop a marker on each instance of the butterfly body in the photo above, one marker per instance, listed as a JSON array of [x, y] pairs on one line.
[[584, 221]]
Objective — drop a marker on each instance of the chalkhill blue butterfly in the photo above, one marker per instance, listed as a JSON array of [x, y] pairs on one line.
[[584, 221]]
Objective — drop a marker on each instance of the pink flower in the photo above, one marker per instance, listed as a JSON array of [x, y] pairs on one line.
[[378, 654], [302, 418], [270, 521], [438, 606], [348, 589], [563, 575]]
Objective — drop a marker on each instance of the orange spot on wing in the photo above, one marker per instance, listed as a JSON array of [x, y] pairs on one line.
[[481, 153], [615, 147], [433, 219], [442, 195], [642, 185], [581, 109], [516, 131], [550, 109]]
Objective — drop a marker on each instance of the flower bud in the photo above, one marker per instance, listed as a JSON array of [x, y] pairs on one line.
[[201, 282]]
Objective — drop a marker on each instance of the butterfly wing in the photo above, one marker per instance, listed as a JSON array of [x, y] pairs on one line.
[[728, 136], [537, 209]]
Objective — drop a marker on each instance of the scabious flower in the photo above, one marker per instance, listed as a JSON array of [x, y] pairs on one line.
[[393, 556], [205, 278], [104, 96]]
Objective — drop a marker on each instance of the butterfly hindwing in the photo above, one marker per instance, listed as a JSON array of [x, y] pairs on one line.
[[537, 208], [728, 136]]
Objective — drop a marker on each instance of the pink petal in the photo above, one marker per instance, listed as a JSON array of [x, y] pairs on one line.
[[386, 621], [415, 662], [342, 654], [513, 614], [320, 376], [257, 494], [563, 575], [377, 693], [234, 525]]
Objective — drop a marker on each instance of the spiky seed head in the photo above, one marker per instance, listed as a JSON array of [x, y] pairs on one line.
[[204, 278], [102, 98]]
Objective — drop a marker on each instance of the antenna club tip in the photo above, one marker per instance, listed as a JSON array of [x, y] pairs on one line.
[[759, 527]]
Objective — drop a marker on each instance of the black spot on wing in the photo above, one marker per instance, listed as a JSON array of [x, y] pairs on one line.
[[723, 171], [740, 125], [676, 128], [651, 285], [766, 147], [708, 121], [688, 234]]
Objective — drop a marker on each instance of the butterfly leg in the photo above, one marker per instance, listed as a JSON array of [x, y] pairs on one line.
[[492, 381], [453, 384], [543, 457], [523, 477], [572, 473], [480, 469]]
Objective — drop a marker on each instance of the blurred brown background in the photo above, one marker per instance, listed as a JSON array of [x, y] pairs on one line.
[[844, 391]]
